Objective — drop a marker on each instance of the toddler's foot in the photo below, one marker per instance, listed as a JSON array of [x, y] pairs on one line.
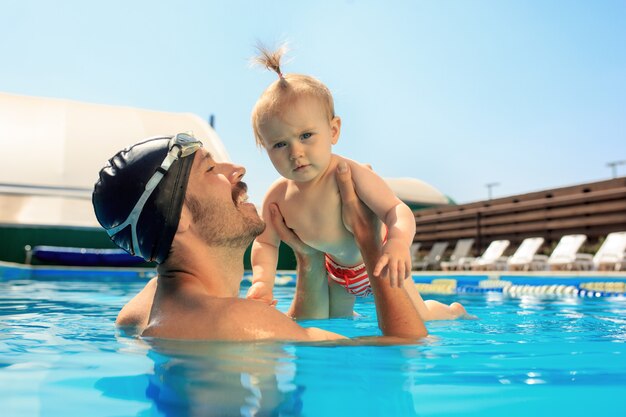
[[436, 310], [459, 312]]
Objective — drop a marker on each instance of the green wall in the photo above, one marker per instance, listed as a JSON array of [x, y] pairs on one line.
[[13, 239]]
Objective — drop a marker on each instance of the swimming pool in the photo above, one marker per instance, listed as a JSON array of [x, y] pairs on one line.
[[60, 355]]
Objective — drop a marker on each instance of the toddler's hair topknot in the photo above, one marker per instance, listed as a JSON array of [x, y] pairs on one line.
[[285, 90], [270, 59]]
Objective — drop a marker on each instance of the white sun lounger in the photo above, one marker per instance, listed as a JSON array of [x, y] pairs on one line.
[[461, 250], [415, 249], [610, 256], [525, 257], [492, 257], [564, 255], [433, 258]]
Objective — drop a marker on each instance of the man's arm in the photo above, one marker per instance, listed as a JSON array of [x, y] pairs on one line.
[[254, 321], [397, 316], [395, 262]]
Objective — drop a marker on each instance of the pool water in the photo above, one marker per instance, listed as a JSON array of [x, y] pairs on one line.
[[60, 355]]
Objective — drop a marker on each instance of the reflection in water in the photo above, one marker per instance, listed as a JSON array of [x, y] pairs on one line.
[[223, 379], [269, 379]]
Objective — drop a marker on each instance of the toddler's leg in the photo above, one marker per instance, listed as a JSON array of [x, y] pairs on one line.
[[431, 309], [440, 311], [341, 303]]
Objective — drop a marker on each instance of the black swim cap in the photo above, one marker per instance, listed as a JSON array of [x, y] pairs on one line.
[[122, 183]]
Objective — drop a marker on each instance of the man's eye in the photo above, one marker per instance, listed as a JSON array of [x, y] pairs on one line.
[[306, 135], [279, 145], [211, 168]]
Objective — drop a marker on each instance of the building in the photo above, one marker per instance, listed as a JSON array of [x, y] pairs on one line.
[[594, 209], [53, 150]]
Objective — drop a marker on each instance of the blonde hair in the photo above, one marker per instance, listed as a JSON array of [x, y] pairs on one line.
[[286, 90]]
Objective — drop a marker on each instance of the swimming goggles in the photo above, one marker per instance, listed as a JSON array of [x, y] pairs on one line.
[[180, 146]]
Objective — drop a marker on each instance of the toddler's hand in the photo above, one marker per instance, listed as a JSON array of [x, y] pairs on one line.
[[395, 263], [260, 291]]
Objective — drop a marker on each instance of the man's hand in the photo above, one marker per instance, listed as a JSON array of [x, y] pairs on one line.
[[397, 315], [286, 234], [361, 221], [311, 298]]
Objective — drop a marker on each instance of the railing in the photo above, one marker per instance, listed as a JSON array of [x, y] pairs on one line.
[[45, 190]]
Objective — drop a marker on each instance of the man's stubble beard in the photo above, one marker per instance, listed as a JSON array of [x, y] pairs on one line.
[[222, 225]]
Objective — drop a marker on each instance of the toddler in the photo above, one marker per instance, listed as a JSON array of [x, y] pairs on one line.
[[294, 121]]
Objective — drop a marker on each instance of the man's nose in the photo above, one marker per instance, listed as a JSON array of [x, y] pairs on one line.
[[233, 172], [237, 173]]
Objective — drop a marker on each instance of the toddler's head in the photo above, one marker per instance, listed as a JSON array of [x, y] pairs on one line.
[[286, 91]]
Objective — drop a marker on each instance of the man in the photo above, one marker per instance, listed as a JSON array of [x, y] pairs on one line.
[[167, 200]]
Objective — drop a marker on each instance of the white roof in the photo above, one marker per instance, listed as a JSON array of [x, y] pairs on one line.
[[412, 190], [63, 143]]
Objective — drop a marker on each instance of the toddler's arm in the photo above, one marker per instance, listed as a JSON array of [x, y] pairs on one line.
[[395, 262], [264, 257]]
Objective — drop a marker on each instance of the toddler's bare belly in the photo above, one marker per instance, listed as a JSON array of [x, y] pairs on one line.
[[340, 247]]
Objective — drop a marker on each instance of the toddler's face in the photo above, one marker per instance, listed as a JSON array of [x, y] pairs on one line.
[[299, 139]]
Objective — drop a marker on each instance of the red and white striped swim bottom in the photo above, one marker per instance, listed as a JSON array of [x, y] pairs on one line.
[[353, 278]]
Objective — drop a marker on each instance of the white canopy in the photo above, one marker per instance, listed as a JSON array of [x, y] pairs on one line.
[[62, 143], [412, 190]]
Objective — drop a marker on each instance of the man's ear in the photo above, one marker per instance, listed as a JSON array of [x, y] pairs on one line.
[[185, 219], [335, 129]]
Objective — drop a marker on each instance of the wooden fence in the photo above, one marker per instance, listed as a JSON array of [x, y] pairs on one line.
[[594, 209]]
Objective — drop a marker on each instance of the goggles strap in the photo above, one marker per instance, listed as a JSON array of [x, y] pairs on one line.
[[156, 178]]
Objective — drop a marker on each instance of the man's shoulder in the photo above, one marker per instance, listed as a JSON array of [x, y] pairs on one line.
[[137, 311], [213, 318]]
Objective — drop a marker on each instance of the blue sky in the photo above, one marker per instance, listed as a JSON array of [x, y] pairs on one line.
[[530, 94]]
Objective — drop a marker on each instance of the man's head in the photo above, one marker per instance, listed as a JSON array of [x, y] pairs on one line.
[[141, 192]]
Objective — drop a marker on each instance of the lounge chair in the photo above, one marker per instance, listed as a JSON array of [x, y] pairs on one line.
[[461, 250], [564, 255], [415, 249], [492, 257], [610, 256], [525, 257], [433, 258]]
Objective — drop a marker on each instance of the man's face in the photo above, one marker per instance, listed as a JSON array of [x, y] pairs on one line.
[[217, 199]]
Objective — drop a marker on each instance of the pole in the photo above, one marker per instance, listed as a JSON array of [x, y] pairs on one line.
[[613, 165], [489, 186]]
